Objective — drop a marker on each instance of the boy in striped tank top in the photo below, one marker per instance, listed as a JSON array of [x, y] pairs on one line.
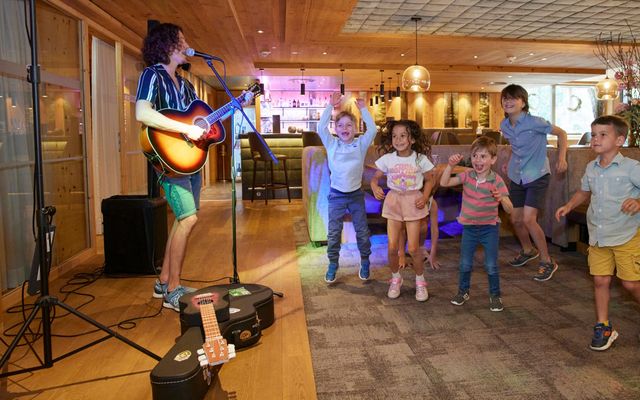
[[482, 192]]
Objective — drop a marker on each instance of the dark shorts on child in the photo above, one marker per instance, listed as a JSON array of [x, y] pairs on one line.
[[531, 194]]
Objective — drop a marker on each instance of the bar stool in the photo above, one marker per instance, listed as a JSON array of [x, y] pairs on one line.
[[260, 154]]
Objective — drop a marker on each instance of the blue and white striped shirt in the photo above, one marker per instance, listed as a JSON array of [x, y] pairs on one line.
[[157, 87]]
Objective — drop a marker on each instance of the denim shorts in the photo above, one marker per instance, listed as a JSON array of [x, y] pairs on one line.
[[531, 194], [183, 194]]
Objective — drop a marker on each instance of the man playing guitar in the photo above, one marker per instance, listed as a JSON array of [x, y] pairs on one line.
[[160, 87]]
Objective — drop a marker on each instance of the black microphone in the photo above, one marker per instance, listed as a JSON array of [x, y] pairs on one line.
[[191, 52]]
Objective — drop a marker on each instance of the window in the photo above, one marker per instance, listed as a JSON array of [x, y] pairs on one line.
[[62, 137], [572, 108], [575, 108]]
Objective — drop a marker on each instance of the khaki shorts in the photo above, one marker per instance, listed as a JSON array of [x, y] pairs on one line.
[[624, 259], [401, 206]]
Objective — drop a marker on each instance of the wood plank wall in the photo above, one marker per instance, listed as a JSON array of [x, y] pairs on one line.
[[428, 109]]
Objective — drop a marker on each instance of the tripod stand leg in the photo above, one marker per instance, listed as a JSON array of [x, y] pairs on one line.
[[108, 330], [21, 332]]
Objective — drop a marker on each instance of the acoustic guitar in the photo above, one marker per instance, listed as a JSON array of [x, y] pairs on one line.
[[174, 153], [215, 349]]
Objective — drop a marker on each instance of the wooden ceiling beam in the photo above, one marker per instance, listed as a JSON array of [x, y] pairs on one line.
[[430, 67]]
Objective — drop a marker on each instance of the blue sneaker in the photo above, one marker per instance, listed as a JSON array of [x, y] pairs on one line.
[[171, 298], [364, 270], [159, 289], [330, 276], [603, 337]]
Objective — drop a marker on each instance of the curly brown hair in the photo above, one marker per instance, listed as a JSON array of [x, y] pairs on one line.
[[421, 145], [160, 42]]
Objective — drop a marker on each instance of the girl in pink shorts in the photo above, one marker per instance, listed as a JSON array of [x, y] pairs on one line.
[[410, 183]]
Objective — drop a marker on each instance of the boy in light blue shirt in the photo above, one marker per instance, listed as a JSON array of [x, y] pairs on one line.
[[529, 175], [345, 155], [612, 181]]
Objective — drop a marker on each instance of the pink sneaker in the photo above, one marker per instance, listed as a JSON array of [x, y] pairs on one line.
[[394, 288], [421, 291]]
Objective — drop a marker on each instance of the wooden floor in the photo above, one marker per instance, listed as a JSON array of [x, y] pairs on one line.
[[278, 367]]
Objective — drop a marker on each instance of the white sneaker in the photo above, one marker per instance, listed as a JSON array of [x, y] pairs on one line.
[[421, 291], [394, 288]]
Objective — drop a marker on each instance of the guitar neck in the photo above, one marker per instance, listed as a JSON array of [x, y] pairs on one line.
[[209, 321], [220, 112]]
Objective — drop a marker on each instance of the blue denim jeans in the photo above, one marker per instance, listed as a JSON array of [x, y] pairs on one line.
[[339, 204], [488, 237]]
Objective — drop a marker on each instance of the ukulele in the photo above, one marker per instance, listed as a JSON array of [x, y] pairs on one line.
[[173, 152], [215, 349]]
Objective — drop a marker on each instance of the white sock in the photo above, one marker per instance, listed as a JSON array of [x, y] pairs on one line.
[[420, 278], [395, 275]]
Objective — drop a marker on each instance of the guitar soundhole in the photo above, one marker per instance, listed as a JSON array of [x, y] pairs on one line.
[[202, 123]]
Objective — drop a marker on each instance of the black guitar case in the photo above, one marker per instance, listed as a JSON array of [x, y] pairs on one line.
[[179, 376], [242, 311]]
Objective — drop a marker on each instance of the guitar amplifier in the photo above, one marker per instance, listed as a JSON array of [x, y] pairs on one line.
[[179, 376], [242, 311], [135, 234]]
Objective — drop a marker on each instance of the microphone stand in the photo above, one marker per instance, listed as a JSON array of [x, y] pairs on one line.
[[45, 302], [235, 104]]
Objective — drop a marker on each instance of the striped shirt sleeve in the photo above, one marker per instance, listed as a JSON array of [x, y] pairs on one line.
[[148, 86]]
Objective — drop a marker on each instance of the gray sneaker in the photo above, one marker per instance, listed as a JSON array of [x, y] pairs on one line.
[[545, 271], [495, 303], [460, 298], [524, 258]]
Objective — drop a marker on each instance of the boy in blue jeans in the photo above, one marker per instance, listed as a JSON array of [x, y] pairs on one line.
[[345, 155], [529, 175], [612, 181]]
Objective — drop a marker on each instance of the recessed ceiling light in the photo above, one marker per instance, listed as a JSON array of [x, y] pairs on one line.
[[273, 47], [532, 54], [509, 76], [260, 31], [295, 53], [401, 54], [544, 58], [324, 53], [475, 56], [481, 87]]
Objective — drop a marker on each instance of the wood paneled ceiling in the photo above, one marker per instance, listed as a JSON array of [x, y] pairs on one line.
[[467, 45]]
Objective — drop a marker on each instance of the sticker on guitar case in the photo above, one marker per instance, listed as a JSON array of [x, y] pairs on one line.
[[237, 292], [182, 356]]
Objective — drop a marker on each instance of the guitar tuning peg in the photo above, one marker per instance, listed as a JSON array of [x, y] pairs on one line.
[[232, 351], [204, 363], [200, 351]]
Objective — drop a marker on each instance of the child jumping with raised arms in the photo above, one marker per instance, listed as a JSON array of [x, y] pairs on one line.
[[409, 180], [612, 182], [345, 156], [482, 192]]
